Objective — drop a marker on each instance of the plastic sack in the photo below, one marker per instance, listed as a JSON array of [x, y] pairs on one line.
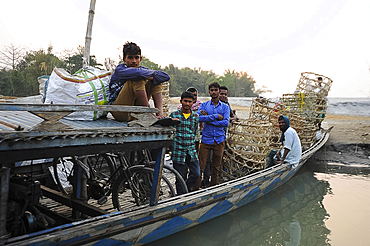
[[88, 86], [43, 85]]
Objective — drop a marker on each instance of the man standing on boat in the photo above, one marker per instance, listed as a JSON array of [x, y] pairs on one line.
[[184, 154], [292, 151], [224, 91], [195, 108], [132, 84], [215, 115]]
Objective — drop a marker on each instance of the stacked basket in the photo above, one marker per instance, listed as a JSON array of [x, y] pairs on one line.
[[250, 141]]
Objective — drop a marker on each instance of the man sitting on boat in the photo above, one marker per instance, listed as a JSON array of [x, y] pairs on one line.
[[184, 154], [292, 149], [132, 84]]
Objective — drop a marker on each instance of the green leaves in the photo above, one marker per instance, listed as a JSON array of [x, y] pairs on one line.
[[21, 79]]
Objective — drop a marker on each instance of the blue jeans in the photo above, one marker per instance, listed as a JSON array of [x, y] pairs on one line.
[[190, 179]]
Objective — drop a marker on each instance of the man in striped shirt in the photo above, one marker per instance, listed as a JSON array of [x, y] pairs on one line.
[[184, 155]]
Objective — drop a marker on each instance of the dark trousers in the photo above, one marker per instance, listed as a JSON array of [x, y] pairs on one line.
[[207, 171], [215, 166], [194, 173]]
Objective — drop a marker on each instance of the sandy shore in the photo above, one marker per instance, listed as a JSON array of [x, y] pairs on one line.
[[349, 142]]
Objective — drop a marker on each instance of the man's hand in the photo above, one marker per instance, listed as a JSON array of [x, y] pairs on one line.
[[203, 112], [278, 155], [220, 117], [159, 116]]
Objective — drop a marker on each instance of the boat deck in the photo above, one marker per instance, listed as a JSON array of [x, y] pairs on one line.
[[106, 208], [35, 134]]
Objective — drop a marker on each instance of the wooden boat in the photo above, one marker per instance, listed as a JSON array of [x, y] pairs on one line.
[[140, 225], [147, 223]]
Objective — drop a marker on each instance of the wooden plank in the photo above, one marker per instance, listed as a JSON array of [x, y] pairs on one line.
[[88, 131], [58, 217], [52, 148], [157, 177], [66, 200], [66, 107]]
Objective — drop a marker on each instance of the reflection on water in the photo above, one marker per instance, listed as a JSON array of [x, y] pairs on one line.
[[348, 206], [313, 208], [291, 215]]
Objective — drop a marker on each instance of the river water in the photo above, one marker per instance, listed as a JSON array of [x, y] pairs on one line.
[[313, 208]]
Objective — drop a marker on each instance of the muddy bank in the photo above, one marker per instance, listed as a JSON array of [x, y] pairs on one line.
[[350, 159], [344, 154]]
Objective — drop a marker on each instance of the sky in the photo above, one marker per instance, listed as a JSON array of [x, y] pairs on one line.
[[274, 41]]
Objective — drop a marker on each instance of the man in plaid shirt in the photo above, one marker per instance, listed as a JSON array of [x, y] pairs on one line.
[[184, 154]]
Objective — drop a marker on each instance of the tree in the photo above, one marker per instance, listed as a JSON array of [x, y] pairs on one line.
[[10, 56], [34, 65], [240, 84], [149, 64], [72, 60]]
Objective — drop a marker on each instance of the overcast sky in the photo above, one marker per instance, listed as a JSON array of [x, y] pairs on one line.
[[274, 41]]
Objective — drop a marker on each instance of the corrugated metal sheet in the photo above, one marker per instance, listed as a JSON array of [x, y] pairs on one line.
[[105, 122], [23, 119], [28, 120]]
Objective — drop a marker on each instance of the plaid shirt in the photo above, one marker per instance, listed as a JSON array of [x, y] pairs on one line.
[[195, 108], [183, 143]]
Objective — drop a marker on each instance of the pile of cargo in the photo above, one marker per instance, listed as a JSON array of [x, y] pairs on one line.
[[250, 141]]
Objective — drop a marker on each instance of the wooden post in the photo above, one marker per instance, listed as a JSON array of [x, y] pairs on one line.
[[79, 187], [86, 58], [4, 192], [157, 177]]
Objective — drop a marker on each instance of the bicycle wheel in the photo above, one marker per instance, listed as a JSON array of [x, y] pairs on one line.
[[169, 172], [134, 186], [172, 175], [99, 168]]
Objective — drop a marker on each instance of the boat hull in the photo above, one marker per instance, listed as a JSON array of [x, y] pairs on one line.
[[149, 223]]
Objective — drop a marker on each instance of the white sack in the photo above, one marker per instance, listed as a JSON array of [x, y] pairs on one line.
[[89, 86]]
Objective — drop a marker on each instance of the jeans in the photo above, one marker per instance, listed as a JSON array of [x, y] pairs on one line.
[[190, 179]]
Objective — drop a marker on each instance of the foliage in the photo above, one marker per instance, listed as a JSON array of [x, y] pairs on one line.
[[18, 77], [181, 79], [149, 64], [73, 60], [239, 84]]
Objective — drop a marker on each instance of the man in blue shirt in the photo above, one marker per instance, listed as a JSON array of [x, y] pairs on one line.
[[132, 84], [215, 115]]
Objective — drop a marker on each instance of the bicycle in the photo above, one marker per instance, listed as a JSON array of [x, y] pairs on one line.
[[113, 174]]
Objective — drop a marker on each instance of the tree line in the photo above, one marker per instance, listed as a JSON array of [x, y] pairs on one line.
[[19, 70]]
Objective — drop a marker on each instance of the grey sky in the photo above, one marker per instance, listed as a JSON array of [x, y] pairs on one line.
[[274, 41]]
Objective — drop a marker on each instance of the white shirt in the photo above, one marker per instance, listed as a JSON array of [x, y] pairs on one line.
[[292, 143]]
